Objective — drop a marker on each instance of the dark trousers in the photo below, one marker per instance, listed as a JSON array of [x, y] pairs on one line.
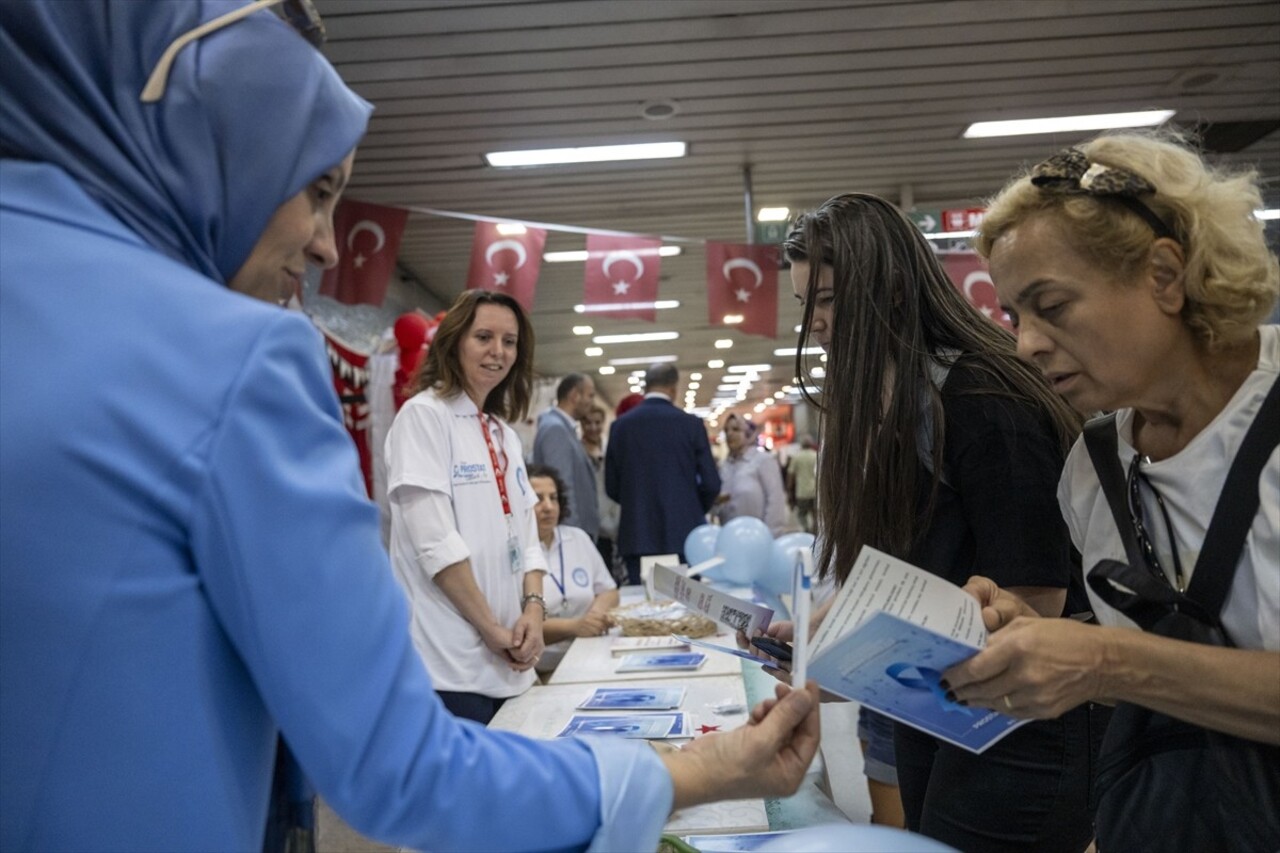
[[1031, 791], [470, 706], [632, 562]]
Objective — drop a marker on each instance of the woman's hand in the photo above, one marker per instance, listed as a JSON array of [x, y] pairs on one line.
[[1033, 667], [497, 639], [767, 757], [526, 639], [593, 623], [999, 606]]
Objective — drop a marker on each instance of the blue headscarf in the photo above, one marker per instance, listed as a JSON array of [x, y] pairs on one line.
[[251, 116]]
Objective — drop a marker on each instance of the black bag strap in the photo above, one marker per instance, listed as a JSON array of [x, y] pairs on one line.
[[1138, 594]]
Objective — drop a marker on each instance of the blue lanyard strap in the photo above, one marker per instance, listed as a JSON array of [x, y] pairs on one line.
[[560, 582]]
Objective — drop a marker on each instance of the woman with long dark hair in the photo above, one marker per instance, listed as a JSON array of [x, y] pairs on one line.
[[941, 448]]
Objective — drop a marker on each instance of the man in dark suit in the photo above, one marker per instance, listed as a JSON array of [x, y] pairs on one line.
[[557, 445], [658, 466]]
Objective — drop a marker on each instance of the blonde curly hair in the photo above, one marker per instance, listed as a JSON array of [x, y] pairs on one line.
[[1232, 279]]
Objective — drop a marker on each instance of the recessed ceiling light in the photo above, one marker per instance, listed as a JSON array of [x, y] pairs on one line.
[[1066, 124], [581, 254], [724, 343], [817, 373], [695, 376], [660, 305], [650, 359], [582, 330], [606, 370], [715, 363], [773, 214], [586, 154], [694, 386], [732, 319], [638, 337], [593, 351], [792, 351], [659, 110]]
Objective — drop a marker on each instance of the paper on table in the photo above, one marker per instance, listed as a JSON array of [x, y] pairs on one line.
[[638, 698]]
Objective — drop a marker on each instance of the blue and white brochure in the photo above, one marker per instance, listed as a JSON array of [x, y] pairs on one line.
[[640, 698], [646, 726], [674, 662]]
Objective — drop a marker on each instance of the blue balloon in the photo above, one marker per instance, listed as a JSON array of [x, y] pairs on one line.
[[843, 837], [782, 560], [745, 544], [700, 544]]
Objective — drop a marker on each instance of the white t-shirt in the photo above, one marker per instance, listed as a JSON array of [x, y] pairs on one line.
[[1190, 482], [576, 574], [437, 445]]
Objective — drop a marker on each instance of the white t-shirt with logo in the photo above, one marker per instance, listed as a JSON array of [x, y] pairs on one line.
[[576, 574], [1190, 482], [437, 445]]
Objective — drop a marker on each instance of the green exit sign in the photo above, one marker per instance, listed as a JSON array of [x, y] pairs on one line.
[[928, 221]]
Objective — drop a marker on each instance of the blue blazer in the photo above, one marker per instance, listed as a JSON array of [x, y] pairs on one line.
[[659, 467]]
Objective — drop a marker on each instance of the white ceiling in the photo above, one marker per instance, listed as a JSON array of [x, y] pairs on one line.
[[818, 97]]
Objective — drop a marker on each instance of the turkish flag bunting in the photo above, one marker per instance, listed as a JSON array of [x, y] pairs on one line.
[[621, 278], [968, 272], [368, 240], [742, 280], [507, 263]]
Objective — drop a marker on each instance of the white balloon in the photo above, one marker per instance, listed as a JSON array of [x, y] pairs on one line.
[[506, 245], [373, 228], [743, 264]]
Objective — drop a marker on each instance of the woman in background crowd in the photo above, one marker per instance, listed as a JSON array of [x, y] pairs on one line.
[[464, 541], [750, 479], [1137, 276], [940, 447], [593, 441], [579, 588]]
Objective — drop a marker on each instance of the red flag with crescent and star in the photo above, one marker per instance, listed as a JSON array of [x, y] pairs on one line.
[[742, 281], [368, 240], [508, 263], [968, 272], [621, 278]]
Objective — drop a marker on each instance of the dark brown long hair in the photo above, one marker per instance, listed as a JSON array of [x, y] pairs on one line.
[[442, 370], [893, 309]]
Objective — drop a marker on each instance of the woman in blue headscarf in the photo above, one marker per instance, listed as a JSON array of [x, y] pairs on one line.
[[188, 563]]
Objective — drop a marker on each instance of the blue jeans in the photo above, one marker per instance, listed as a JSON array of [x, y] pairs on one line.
[[1031, 791], [470, 706]]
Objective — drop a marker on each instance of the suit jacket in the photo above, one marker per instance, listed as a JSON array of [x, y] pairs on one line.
[[556, 444], [658, 465]]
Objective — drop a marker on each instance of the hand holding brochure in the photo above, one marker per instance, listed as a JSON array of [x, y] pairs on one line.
[[891, 633], [718, 606]]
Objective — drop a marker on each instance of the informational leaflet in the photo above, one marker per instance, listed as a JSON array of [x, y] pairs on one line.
[[891, 633], [718, 606], [647, 726]]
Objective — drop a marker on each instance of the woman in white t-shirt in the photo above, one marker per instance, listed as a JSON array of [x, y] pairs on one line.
[[1137, 277], [579, 589], [464, 543]]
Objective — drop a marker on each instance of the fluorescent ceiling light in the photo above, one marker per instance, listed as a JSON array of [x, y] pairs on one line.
[[695, 376], [732, 319], [1270, 213], [792, 351], [818, 373], [1066, 124], [606, 370], [773, 214], [593, 351], [581, 254], [715, 363], [949, 235], [510, 229], [694, 386], [651, 359], [749, 368], [660, 305], [582, 330], [638, 337], [587, 154], [724, 343]]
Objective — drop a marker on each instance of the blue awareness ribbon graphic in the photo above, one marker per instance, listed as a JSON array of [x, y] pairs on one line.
[[925, 679]]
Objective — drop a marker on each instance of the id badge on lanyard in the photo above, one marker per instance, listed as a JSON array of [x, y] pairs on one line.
[[514, 552]]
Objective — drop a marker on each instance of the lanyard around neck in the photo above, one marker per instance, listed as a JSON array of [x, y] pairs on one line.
[[499, 471], [560, 582]]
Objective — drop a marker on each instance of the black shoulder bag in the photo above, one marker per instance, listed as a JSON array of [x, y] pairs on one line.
[[1164, 784]]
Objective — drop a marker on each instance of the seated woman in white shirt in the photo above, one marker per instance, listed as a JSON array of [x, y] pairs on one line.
[[751, 480], [581, 590]]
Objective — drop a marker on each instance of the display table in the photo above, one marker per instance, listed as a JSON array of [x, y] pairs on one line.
[[590, 660], [543, 710]]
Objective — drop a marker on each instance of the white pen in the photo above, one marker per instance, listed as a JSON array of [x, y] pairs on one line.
[[801, 600]]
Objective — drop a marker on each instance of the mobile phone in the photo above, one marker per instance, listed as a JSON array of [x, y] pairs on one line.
[[772, 647]]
